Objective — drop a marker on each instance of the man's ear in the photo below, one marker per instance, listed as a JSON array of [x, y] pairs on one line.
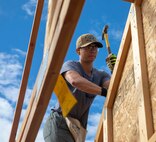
[[78, 51]]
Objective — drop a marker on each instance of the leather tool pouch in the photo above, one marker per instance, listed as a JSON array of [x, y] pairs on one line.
[[78, 132]]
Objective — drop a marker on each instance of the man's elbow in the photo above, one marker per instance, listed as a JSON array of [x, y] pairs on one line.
[[106, 84], [74, 83]]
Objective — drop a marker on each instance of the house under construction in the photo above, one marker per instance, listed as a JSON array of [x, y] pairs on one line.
[[129, 113]]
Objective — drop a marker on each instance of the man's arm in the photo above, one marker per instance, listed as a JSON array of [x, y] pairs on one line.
[[106, 84], [76, 80]]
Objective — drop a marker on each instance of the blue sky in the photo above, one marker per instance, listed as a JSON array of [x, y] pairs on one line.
[[16, 19]]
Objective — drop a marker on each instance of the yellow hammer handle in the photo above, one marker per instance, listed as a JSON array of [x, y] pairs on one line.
[[106, 40]]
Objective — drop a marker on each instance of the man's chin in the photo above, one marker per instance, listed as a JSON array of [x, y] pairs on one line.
[[91, 60]]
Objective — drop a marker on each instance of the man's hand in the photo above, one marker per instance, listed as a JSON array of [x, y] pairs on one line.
[[111, 60]]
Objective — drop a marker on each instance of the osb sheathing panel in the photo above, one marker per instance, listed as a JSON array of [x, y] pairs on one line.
[[125, 109], [149, 25]]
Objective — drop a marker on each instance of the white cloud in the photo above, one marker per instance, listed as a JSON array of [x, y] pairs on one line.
[[92, 126], [39, 137], [89, 140], [97, 27], [27, 96], [23, 114], [116, 34], [5, 126], [10, 73], [94, 118], [6, 109], [10, 69], [29, 7], [9, 92], [23, 53]]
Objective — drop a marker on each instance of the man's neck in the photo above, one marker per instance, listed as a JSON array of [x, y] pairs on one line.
[[87, 67]]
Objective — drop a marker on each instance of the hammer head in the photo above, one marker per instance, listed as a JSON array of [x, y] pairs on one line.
[[104, 31]]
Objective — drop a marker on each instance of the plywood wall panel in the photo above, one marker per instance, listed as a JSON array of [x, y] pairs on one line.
[[149, 25], [149, 18], [125, 118], [131, 116]]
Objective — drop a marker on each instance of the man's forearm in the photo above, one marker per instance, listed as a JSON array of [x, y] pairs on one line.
[[87, 86], [81, 83]]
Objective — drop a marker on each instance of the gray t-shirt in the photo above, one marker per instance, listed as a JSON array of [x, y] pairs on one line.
[[81, 109]]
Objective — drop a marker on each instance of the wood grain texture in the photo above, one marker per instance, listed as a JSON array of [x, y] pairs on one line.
[[149, 25], [51, 11], [131, 96], [26, 71], [100, 129], [67, 22], [141, 76], [153, 138], [125, 108]]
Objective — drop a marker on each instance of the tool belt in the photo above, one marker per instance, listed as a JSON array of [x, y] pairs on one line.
[[78, 132]]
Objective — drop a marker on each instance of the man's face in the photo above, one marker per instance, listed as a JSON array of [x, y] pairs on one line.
[[88, 53]]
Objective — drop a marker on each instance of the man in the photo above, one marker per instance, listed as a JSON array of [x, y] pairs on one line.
[[85, 82]]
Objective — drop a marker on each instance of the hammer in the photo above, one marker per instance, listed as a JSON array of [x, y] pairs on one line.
[[111, 57], [105, 36]]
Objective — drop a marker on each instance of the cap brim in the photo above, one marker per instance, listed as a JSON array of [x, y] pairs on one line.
[[99, 45]]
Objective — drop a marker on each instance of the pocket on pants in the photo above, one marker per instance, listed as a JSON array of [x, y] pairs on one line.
[[60, 122], [47, 128]]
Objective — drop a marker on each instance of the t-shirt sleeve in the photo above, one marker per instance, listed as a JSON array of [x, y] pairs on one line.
[[104, 77], [70, 65]]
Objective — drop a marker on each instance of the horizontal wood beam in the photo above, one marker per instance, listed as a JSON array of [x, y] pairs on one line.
[[67, 21]]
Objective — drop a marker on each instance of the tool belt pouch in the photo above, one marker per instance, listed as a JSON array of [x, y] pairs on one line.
[[78, 132]]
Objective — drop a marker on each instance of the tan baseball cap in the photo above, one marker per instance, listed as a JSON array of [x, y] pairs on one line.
[[87, 39]]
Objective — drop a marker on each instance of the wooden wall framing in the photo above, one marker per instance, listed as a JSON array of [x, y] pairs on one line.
[[26, 71], [63, 16], [133, 37]]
